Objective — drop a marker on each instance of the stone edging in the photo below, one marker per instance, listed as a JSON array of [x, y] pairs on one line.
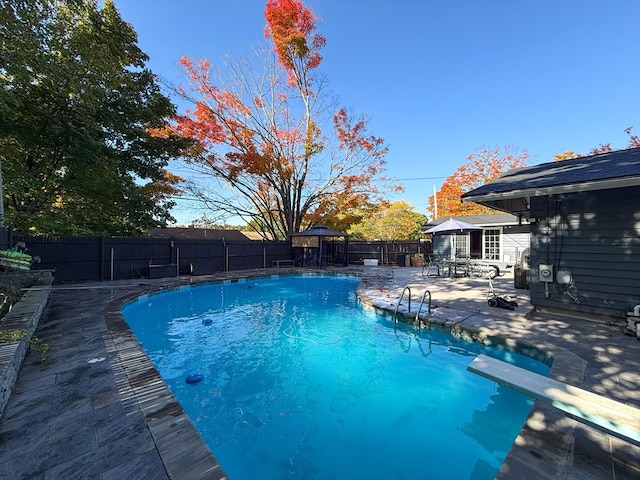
[[182, 450], [167, 422], [25, 315], [545, 442], [547, 429], [186, 456]]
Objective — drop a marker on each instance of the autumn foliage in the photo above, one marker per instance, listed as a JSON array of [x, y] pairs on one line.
[[263, 134], [634, 142], [482, 166], [292, 26]]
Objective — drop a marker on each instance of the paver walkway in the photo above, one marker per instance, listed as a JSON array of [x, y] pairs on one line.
[[66, 418], [82, 414]]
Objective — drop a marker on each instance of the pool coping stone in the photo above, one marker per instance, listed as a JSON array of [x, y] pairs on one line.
[[549, 446]]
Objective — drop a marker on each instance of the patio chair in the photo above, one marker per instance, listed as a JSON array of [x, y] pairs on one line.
[[434, 262]]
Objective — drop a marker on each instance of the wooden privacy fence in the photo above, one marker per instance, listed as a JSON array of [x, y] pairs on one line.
[[81, 259], [106, 258], [387, 252], [5, 236]]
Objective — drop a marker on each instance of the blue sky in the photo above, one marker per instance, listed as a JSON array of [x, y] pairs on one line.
[[440, 79]]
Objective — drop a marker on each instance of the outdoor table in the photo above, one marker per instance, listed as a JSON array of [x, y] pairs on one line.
[[462, 264]]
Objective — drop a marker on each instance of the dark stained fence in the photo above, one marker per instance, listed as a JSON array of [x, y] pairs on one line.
[[5, 239], [251, 254], [359, 251], [124, 258], [97, 258], [386, 252], [200, 257], [72, 258], [84, 259], [105, 258], [277, 251]]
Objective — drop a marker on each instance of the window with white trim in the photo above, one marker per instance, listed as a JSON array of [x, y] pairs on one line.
[[492, 244]]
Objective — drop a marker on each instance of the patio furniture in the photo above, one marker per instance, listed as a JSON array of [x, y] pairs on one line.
[[434, 262], [460, 267], [482, 268], [283, 262]]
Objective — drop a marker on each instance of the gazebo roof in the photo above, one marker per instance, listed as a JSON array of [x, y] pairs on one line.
[[319, 230]]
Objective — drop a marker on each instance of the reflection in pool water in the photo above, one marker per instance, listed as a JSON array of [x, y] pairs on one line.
[[300, 382]]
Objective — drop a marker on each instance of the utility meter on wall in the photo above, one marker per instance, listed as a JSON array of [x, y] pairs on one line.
[[545, 273]]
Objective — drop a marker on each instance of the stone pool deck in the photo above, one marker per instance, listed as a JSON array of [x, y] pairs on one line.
[[96, 408]]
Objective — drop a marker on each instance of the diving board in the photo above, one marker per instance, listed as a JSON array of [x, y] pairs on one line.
[[614, 417]]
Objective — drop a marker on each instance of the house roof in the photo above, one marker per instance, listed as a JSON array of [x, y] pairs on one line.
[[483, 220], [257, 236], [197, 234], [512, 192]]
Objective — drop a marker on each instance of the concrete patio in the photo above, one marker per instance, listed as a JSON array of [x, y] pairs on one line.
[[96, 408]]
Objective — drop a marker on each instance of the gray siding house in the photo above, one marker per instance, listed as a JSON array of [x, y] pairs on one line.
[[585, 230], [503, 238]]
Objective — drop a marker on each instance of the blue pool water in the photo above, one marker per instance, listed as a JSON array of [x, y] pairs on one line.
[[300, 382]]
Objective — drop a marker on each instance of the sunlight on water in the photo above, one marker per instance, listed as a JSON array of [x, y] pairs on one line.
[[299, 382]]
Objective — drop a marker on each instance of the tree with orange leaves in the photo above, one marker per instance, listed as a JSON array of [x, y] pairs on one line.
[[260, 134], [558, 157], [634, 142], [482, 166]]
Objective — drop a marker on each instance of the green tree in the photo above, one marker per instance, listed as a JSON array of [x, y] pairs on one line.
[[395, 221], [79, 116]]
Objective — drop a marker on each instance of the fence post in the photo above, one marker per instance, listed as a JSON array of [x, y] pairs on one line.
[[5, 244], [112, 255], [101, 266]]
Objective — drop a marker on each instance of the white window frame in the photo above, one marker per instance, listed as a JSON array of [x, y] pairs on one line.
[[492, 244]]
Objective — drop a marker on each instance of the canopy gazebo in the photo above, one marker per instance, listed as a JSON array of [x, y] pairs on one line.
[[311, 249]]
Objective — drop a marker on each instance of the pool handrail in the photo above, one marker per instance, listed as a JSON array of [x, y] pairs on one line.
[[417, 319], [395, 313]]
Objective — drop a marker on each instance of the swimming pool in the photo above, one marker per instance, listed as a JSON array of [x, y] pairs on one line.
[[300, 382]]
